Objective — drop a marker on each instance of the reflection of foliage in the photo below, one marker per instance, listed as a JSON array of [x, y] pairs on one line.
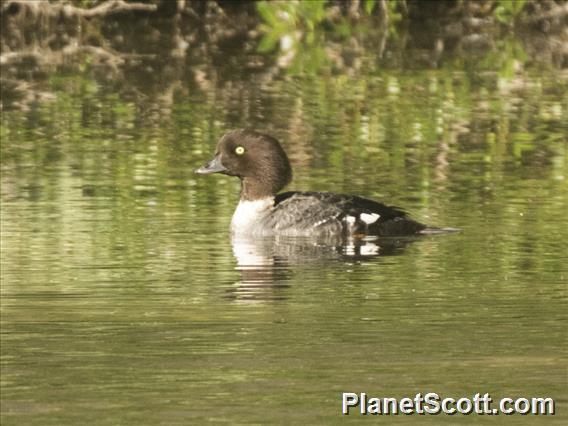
[[151, 58], [313, 36], [507, 10], [309, 35], [285, 24], [507, 54], [294, 27], [283, 19]]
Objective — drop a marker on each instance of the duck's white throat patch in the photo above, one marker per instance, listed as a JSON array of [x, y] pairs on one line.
[[249, 213]]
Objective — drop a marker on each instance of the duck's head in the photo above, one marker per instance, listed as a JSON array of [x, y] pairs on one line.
[[257, 159]]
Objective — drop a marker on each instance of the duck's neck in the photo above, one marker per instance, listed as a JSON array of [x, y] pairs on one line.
[[253, 189]]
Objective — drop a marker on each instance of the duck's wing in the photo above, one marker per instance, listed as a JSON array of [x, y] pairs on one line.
[[323, 212], [305, 214]]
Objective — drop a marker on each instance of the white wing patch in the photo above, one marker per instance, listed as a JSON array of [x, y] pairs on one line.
[[369, 218]]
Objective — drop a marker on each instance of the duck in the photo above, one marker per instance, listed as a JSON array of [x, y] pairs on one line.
[[263, 167]]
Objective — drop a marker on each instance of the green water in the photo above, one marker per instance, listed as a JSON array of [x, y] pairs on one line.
[[124, 300]]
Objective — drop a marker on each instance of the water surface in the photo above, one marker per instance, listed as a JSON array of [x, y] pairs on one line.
[[124, 300]]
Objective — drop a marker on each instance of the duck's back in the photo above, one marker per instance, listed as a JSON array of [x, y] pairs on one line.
[[322, 213]]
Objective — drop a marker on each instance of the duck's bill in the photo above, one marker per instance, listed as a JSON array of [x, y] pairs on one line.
[[214, 166]]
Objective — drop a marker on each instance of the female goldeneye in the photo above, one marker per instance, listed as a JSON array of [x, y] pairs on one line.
[[261, 164]]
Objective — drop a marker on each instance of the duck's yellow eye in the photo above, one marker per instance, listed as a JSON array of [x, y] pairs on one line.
[[239, 150]]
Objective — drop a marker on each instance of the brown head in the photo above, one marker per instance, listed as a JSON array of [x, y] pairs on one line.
[[257, 159]]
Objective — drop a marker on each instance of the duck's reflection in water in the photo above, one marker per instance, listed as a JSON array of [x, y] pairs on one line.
[[266, 264]]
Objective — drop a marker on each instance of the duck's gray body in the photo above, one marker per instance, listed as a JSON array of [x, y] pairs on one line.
[[318, 214]]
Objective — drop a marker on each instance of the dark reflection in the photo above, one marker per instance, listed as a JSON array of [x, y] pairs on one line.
[[266, 263]]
